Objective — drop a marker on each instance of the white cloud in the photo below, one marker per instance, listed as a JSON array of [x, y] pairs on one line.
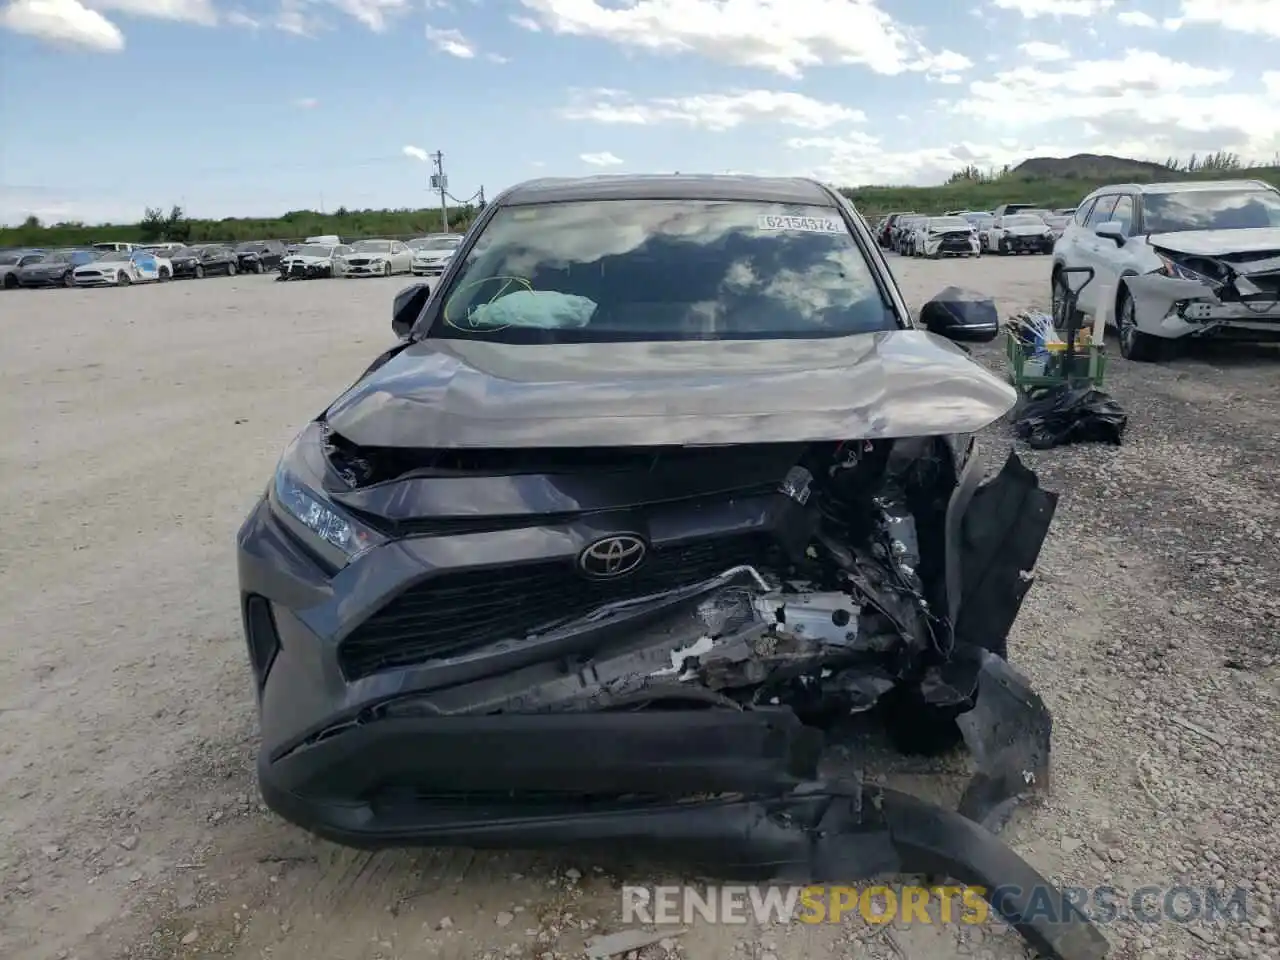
[[526, 23], [1241, 16], [497, 58], [1045, 52], [306, 103], [604, 159], [182, 11], [1055, 8], [784, 36], [1136, 18], [1144, 101], [451, 42], [374, 14], [862, 159], [713, 111], [65, 22], [417, 153], [238, 18]]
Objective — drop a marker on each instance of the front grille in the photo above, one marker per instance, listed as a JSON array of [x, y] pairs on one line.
[[359, 261], [455, 612]]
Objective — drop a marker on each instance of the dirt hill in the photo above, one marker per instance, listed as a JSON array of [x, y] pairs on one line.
[[1090, 166]]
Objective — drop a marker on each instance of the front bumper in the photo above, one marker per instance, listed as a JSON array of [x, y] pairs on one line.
[[363, 270], [951, 246], [431, 269], [1038, 243], [95, 281], [43, 280], [305, 271], [1173, 308]]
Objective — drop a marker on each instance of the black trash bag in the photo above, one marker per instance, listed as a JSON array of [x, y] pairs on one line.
[[1070, 414], [958, 309]]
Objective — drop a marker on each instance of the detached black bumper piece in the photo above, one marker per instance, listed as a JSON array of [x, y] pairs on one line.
[[732, 792]]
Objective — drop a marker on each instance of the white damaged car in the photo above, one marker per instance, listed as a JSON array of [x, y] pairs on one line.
[[121, 268], [945, 237], [1177, 260], [313, 260]]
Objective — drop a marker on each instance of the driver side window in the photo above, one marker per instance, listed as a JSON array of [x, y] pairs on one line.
[[1123, 214], [1102, 212]]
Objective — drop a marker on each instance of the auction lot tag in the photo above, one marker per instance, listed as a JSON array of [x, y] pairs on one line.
[[805, 224]]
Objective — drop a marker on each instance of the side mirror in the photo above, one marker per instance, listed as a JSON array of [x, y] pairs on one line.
[[408, 307], [961, 315], [1112, 230]]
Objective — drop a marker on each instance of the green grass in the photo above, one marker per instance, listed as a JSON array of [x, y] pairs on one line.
[[872, 201]]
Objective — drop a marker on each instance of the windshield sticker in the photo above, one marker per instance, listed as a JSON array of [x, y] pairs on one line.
[[804, 224]]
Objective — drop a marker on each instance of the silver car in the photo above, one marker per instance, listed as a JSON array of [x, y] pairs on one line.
[[432, 254], [375, 258]]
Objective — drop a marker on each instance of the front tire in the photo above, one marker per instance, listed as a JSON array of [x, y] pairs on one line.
[[165, 275], [199, 272], [10, 282], [68, 280], [123, 279], [1135, 345], [231, 269]]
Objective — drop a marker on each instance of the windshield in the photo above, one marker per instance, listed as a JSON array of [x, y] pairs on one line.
[[644, 270], [371, 246], [949, 223], [439, 243], [111, 256], [313, 250], [9, 259], [1210, 210], [252, 246], [59, 256], [1023, 220]]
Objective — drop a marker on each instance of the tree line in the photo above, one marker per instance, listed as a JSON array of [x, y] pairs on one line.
[[967, 189]]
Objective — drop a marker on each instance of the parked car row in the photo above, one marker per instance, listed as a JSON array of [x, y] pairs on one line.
[[1010, 229], [123, 264]]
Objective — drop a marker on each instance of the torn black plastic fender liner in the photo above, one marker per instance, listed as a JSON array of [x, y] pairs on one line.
[[1008, 732], [1002, 533]]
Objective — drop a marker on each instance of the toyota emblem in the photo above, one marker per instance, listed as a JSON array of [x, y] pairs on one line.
[[612, 556]]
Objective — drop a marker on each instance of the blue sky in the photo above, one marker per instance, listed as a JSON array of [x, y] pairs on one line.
[[254, 107]]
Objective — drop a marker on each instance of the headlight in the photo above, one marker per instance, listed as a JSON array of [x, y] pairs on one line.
[[1176, 270], [297, 499]]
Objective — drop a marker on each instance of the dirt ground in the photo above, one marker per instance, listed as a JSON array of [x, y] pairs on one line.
[[139, 426]]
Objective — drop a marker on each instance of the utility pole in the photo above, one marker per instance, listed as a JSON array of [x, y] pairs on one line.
[[440, 182], [481, 204]]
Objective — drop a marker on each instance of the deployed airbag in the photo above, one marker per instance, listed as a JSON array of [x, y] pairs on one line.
[[541, 309]]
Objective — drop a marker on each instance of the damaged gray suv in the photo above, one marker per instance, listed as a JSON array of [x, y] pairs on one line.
[[660, 487]]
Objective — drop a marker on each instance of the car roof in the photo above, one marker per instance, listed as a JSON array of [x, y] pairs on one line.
[[1183, 186], [677, 186]]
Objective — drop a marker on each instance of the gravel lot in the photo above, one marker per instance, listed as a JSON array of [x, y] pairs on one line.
[[139, 425]]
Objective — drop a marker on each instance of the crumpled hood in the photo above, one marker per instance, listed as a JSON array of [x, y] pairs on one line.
[[468, 393], [1027, 231], [1216, 243], [307, 261]]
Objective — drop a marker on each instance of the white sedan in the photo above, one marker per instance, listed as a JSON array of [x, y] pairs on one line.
[[431, 255], [376, 258], [121, 268]]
